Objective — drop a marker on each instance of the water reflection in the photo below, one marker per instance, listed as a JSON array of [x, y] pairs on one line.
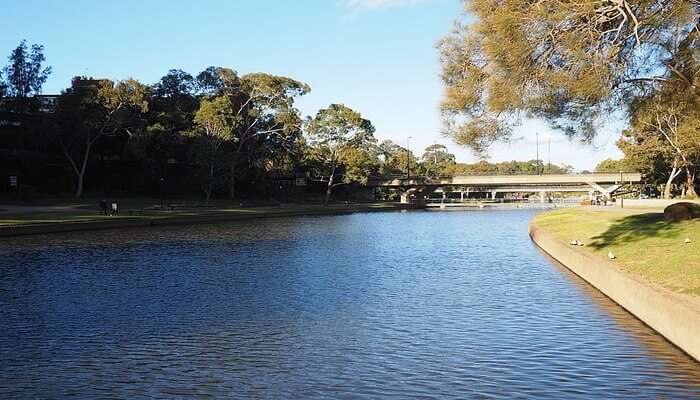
[[654, 344], [392, 305]]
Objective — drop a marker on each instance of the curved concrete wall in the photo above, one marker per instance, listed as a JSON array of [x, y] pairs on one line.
[[674, 316]]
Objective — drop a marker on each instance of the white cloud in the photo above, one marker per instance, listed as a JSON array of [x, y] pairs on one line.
[[377, 3]]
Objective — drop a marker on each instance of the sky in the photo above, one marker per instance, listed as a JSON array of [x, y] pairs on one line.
[[378, 57]]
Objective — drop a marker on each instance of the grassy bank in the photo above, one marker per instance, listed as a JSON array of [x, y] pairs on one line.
[[643, 243], [52, 214]]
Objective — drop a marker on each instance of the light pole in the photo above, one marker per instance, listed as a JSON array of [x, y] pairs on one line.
[[549, 153], [162, 192], [622, 196], [537, 146], [408, 158]]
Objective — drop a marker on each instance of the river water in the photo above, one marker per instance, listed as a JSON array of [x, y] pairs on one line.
[[425, 304]]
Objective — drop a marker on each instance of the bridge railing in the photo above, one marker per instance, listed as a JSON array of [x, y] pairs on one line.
[[497, 173]]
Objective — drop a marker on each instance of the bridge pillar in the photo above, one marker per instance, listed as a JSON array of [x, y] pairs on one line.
[[542, 196], [415, 197], [493, 195]]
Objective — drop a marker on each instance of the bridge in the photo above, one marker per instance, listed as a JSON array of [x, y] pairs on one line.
[[418, 188]]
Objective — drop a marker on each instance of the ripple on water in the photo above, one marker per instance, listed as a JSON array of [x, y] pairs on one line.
[[391, 305]]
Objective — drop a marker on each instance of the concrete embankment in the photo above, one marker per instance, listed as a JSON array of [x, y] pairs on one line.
[[203, 218], [674, 316]]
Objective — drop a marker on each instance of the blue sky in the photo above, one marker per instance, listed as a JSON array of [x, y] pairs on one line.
[[376, 56]]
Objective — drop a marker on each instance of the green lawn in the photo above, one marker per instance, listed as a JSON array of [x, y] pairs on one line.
[[139, 209], [643, 242]]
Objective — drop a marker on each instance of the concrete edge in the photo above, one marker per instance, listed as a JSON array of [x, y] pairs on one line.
[[213, 218], [666, 313]]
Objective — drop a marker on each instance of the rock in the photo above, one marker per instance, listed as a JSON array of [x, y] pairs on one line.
[[682, 211], [611, 255]]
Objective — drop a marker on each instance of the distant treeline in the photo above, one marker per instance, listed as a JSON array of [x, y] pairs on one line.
[[216, 132]]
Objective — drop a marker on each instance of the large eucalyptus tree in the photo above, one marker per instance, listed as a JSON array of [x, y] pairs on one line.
[[341, 141], [570, 62]]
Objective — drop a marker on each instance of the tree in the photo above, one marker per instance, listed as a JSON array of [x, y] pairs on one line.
[[397, 159], [215, 122], [173, 101], [610, 165], [673, 119], [437, 160], [172, 105], [678, 124], [25, 75], [91, 109], [532, 167], [650, 155], [216, 81], [3, 86], [264, 111], [339, 139], [571, 63]]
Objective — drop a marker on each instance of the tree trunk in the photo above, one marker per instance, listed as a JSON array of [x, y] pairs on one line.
[[690, 182], [81, 173], [232, 183], [329, 188], [210, 184], [79, 186], [667, 188]]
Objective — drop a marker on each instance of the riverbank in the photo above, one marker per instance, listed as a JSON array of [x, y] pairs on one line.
[[69, 220], [655, 274]]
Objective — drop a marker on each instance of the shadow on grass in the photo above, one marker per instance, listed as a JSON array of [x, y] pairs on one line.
[[634, 228]]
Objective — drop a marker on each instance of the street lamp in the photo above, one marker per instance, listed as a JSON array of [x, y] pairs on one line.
[[161, 182], [537, 146], [408, 158], [622, 195]]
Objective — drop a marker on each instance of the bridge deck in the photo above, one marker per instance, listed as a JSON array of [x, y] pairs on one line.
[[510, 180]]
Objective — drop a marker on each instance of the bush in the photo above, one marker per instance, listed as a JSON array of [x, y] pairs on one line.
[[682, 211]]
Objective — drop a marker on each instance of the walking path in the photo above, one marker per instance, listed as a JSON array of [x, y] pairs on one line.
[[25, 220]]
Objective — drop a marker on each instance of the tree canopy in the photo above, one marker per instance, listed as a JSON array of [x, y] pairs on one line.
[[437, 160], [25, 75], [91, 109], [340, 140], [570, 63]]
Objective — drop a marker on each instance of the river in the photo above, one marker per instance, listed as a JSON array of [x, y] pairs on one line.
[[424, 304]]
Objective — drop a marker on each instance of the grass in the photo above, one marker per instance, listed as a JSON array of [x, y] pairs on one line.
[[136, 208], [643, 243]]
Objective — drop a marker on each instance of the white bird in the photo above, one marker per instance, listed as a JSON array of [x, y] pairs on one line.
[[573, 242], [611, 255], [687, 240]]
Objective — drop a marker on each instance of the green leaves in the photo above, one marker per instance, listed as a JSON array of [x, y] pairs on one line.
[[216, 118], [338, 126], [340, 137], [25, 75], [567, 62], [437, 160], [128, 93]]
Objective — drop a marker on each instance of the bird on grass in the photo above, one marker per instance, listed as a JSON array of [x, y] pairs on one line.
[[611, 255]]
